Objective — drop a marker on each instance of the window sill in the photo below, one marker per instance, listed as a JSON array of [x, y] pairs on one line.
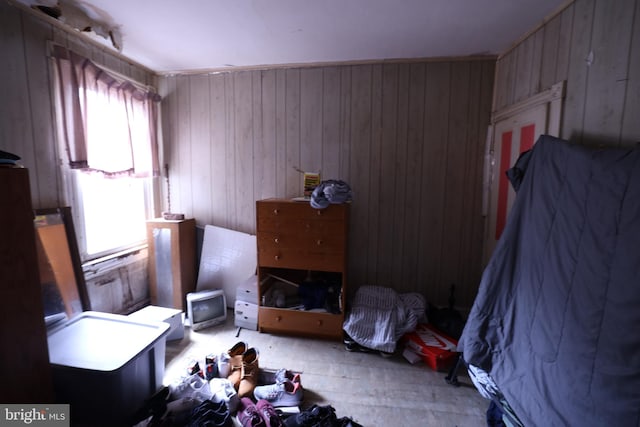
[[107, 263]]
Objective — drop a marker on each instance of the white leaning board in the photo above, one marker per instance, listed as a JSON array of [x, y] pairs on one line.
[[228, 258]]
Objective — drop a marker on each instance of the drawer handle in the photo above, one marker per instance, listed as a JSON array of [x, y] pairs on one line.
[[276, 211], [319, 212], [276, 240], [319, 242], [278, 318], [319, 322], [277, 257]]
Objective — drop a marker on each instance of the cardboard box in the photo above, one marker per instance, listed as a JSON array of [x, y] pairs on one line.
[[435, 348], [172, 316], [106, 365], [246, 315]]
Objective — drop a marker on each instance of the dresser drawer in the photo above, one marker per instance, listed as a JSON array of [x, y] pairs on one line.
[[309, 242], [304, 259], [278, 213], [300, 225], [300, 322]]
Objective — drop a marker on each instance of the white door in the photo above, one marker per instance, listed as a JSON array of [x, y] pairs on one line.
[[511, 137]]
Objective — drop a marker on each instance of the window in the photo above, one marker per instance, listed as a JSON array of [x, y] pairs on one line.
[[110, 213], [107, 129]]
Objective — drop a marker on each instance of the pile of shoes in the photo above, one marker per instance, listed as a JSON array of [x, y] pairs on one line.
[[229, 383], [319, 416]]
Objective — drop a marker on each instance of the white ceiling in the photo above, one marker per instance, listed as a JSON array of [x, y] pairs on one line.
[[187, 35]]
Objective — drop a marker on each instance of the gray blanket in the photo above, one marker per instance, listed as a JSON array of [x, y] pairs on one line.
[[556, 322]]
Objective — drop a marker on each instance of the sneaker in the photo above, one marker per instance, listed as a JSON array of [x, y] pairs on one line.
[[224, 365], [223, 391], [248, 414], [213, 414], [316, 415], [193, 386], [285, 393], [283, 375], [268, 414]]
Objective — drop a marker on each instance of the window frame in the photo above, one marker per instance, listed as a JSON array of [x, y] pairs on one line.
[[71, 194]]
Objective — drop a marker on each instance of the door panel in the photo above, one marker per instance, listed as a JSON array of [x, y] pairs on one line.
[[512, 136]]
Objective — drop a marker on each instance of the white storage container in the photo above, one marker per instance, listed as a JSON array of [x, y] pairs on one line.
[[248, 290], [172, 316], [106, 365], [246, 315]]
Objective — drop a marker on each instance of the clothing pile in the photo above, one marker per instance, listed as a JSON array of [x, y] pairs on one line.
[[231, 384], [380, 316], [331, 191]]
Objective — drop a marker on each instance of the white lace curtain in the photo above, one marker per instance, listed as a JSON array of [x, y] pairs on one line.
[[108, 124]]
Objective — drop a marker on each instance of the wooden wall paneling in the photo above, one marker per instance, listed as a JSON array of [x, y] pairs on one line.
[[608, 74], [360, 167], [386, 191], [45, 175], [551, 33], [345, 126], [218, 152], [229, 151], [167, 89], [505, 81], [512, 61], [331, 123], [164, 90], [498, 101], [455, 193], [475, 267], [265, 147], [564, 44], [397, 250], [310, 120], [524, 69], [578, 71], [375, 178], [413, 172], [200, 131], [630, 123], [433, 180], [181, 196], [15, 118], [471, 203], [292, 134], [538, 48], [281, 133], [243, 213], [257, 154]]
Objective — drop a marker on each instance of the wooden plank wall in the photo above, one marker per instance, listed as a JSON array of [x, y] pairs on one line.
[[595, 46], [408, 138]]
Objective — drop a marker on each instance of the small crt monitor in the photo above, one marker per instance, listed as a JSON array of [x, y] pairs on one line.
[[206, 308]]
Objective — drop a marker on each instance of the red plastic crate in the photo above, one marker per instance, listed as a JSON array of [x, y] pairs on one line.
[[434, 347]]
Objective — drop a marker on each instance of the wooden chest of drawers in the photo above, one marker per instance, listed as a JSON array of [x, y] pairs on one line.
[[295, 241]]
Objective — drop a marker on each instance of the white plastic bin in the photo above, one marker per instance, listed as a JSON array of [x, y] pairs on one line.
[[172, 316], [105, 365]]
